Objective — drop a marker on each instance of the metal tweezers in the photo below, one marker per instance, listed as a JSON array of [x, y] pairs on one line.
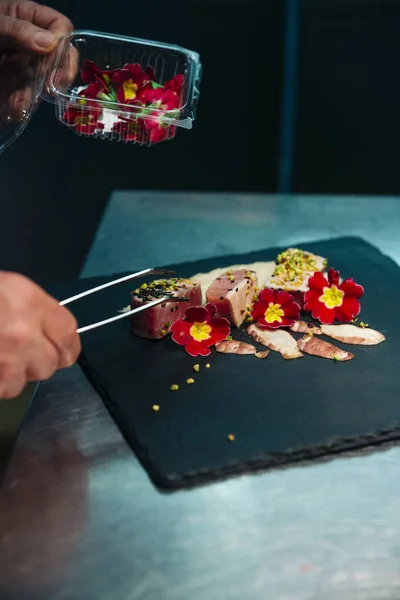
[[146, 306]]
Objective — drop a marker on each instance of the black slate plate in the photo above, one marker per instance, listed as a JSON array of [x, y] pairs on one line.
[[279, 411]]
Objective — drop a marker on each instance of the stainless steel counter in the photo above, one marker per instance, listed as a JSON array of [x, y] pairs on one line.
[[79, 518]]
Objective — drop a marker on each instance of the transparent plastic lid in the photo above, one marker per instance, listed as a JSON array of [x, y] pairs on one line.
[[19, 93], [103, 85]]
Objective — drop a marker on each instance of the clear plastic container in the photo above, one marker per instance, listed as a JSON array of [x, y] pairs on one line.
[[129, 107]]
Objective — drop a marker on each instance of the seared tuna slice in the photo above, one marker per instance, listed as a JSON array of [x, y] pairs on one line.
[[155, 322], [233, 293]]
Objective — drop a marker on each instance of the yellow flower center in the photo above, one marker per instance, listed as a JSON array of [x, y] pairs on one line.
[[200, 331], [274, 313], [83, 120], [130, 89], [332, 297]]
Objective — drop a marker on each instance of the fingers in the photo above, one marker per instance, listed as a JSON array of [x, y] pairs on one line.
[[31, 27], [12, 381], [44, 362], [23, 35], [60, 328], [44, 17], [37, 335]]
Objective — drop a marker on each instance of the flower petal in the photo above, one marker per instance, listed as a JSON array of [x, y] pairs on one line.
[[283, 298], [292, 310], [259, 309], [350, 288], [196, 314], [343, 317], [88, 71], [350, 306], [211, 309], [288, 322], [197, 349], [317, 281], [263, 323], [150, 73], [158, 134], [311, 298], [267, 295], [323, 314], [176, 83], [181, 332], [333, 277]]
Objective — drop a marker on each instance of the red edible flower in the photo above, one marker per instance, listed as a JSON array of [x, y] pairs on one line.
[[327, 300], [128, 80], [84, 119], [90, 73], [158, 131], [93, 90], [159, 98], [275, 309], [151, 74], [200, 330], [128, 130], [175, 84]]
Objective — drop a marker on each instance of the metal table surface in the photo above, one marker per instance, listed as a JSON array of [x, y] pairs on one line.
[[80, 519]]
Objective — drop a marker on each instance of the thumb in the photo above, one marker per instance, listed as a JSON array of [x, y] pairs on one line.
[[22, 35]]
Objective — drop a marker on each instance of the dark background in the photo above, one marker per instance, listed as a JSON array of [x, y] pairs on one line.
[[338, 86]]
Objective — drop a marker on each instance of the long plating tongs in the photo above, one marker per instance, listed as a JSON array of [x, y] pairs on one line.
[[146, 306]]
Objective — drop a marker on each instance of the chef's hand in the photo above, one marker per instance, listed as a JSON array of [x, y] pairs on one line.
[[28, 26], [37, 335]]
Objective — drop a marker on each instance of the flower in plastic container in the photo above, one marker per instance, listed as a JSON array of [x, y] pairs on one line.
[[84, 118], [128, 130], [328, 299], [128, 80], [159, 98], [199, 330], [274, 309], [175, 84]]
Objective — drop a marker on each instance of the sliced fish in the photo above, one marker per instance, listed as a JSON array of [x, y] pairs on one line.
[[304, 327], [235, 347], [350, 334], [277, 340], [317, 347]]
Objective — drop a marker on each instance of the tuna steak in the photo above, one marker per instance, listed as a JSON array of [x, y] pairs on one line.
[[154, 323], [233, 293]]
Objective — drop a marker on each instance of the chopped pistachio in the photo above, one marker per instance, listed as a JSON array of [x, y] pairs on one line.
[[196, 368], [190, 381], [231, 437], [231, 278], [229, 272], [144, 286], [229, 338], [336, 359], [208, 365], [164, 332], [156, 408], [364, 325], [174, 387]]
